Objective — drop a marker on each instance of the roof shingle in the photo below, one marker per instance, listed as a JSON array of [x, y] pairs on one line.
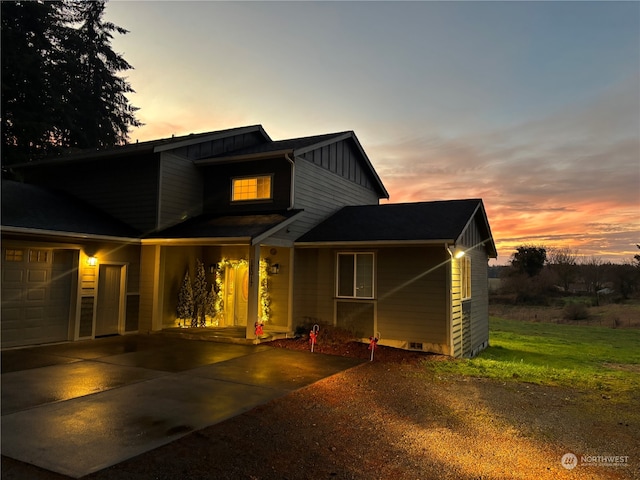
[[428, 221]]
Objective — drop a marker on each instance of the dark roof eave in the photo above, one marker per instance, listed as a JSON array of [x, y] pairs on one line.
[[372, 243], [8, 229], [151, 146], [198, 241], [244, 158]]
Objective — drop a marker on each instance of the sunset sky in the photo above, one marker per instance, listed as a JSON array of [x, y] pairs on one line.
[[532, 106]]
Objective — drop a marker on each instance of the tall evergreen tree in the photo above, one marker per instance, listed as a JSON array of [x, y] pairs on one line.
[[60, 79], [100, 114], [29, 47]]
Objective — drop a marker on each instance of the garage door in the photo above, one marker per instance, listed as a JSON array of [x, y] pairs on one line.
[[36, 295]]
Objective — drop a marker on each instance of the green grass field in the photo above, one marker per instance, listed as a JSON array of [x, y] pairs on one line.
[[585, 357]]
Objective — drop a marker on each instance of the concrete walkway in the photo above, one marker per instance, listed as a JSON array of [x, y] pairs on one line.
[[77, 408]]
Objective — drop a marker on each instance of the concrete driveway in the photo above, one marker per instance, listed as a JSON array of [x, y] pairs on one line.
[[77, 408]]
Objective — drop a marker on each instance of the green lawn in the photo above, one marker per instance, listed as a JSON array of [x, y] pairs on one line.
[[585, 357]]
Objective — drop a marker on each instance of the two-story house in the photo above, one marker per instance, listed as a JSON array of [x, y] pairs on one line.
[[98, 243]]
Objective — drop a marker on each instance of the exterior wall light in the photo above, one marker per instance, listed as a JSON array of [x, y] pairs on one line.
[[457, 252], [275, 269], [92, 261]]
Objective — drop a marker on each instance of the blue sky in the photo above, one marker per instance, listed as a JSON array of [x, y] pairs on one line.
[[532, 106]]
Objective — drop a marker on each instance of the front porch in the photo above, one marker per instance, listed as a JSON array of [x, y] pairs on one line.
[[235, 334], [230, 289]]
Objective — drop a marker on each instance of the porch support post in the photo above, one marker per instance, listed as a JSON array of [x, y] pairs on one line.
[[254, 289]]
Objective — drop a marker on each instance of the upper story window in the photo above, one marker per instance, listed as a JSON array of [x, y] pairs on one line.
[[355, 275], [251, 188]]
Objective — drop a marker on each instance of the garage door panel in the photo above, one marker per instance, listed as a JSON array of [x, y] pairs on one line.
[[36, 275], [35, 300], [10, 275], [35, 313], [11, 314], [36, 294], [10, 296]]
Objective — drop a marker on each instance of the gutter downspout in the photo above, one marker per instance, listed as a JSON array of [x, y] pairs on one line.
[[293, 176]]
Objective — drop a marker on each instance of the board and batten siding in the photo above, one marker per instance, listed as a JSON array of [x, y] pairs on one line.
[[320, 193], [412, 297], [220, 146], [343, 159], [180, 190]]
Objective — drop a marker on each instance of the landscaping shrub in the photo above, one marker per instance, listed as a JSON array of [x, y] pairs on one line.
[[328, 334], [575, 311]]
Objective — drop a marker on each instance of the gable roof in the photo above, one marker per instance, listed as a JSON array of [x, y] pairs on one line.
[[433, 222], [296, 147], [151, 146], [31, 209]]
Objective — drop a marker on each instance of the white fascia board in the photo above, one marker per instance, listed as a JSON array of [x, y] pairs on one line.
[[260, 238]]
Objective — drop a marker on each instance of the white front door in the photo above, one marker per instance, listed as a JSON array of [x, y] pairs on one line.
[[110, 300]]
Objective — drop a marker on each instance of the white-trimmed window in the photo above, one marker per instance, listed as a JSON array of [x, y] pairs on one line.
[[465, 278], [355, 275], [251, 188]]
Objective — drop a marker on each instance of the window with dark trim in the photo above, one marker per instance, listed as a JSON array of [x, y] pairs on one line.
[[355, 275], [251, 188]]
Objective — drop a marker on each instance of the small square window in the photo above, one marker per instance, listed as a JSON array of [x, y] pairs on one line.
[[13, 255]]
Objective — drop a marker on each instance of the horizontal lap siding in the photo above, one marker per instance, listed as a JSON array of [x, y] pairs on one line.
[[278, 285], [313, 289], [477, 334], [320, 193], [412, 295], [479, 299], [456, 309]]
